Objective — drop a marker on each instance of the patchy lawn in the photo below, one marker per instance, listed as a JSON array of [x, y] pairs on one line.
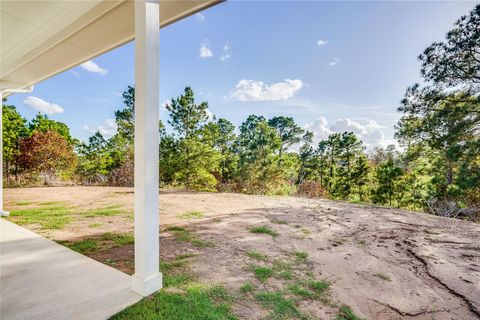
[[233, 256]]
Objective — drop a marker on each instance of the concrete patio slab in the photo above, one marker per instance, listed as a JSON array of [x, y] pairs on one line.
[[40, 279]]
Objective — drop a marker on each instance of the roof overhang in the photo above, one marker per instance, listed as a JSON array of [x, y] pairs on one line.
[[39, 39]]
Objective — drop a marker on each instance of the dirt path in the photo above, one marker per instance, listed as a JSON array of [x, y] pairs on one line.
[[383, 263]]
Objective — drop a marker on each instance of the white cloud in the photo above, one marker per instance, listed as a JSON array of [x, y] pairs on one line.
[[321, 42], [42, 105], [205, 51], [253, 90], [91, 66], [227, 53], [334, 62], [107, 130], [370, 133], [75, 73], [200, 17]]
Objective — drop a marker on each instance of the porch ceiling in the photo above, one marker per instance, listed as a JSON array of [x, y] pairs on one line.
[[39, 39]]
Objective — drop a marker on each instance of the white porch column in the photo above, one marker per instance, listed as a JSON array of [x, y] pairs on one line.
[[147, 278]]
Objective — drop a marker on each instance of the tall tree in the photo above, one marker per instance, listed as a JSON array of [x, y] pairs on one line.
[[307, 158], [455, 61], [46, 153], [43, 123], [359, 175], [125, 118], [387, 175], [349, 148], [197, 160], [14, 128], [186, 116], [289, 132]]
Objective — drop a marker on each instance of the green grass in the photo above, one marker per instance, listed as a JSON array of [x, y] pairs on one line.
[[110, 262], [256, 255], [190, 300], [286, 275], [176, 272], [83, 246], [247, 287], [51, 203], [48, 217], [280, 307], [300, 256], [345, 313], [280, 266], [23, 203], [382, 276], [105, 241], [263, 230], [119, 239], [319, 286], [262, 273], [185, 256], [196, 302], [183, 235], [192, 215], [175, 228], [112, 210], [299, 290]]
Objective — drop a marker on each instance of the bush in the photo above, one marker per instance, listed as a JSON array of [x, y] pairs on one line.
[[311, 189], [122, 176]]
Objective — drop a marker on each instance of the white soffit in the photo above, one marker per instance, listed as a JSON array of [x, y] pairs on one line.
[[39, 39]]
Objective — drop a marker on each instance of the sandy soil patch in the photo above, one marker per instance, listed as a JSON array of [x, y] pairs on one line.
[[383, 263]]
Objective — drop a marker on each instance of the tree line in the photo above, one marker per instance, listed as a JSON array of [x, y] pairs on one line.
[[437, 168]]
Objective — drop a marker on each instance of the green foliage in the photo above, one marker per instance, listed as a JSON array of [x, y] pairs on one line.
[[47, 153], [182, 234], [190, 157], [125, 118], [119, 239], [438, 132], [256, 255], [455, 61], [299, 290], [263, 230], [345, 313], [262, 273], [387, 174], [247, 287], [440, 121], [82, 247], [319, 286], [14, 128], [41, 123], [95, 161], [300, 256], [280, 306], [288, 131], [197, 302]]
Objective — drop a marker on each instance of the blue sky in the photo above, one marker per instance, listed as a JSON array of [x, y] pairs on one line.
[[332, 66]]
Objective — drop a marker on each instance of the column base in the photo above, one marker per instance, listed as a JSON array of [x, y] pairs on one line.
[[147, 286], [4, 213]]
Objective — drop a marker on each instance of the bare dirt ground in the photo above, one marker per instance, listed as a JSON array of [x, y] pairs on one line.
[[383, 263]]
